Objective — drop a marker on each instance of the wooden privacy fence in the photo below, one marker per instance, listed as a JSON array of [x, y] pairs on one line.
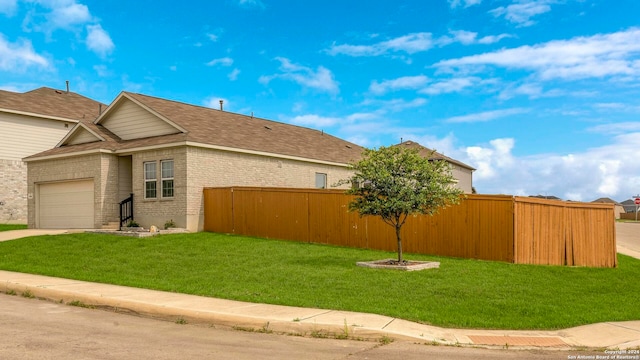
[[519, 230], [629, 216]]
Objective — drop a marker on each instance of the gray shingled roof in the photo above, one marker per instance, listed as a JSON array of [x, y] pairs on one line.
[[434, 155], [605, 200], [225, 129], [51, 103]]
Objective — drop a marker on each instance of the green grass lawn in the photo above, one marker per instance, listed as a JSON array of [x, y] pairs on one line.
[[461, 293], [7, 227]]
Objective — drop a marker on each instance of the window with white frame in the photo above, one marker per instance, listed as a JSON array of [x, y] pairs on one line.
[[321, 181], [166, 167], [150, 180]]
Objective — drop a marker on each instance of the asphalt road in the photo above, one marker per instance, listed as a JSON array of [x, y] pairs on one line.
[[628, 235], [37, 329]]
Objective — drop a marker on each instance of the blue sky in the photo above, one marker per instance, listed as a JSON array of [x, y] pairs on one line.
[[540, 96]]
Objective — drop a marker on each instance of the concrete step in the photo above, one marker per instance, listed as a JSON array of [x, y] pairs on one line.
[[112, 225]]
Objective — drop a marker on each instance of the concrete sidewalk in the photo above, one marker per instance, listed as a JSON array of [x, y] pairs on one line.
[[306, 321]]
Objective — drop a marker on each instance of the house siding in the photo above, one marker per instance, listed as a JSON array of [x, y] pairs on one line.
[[13, 192], [130, 121], [101, 168], [81, 137], [213, 168], [23, 135], [464, 177]]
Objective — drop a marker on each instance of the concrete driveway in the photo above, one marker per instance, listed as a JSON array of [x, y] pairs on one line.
[[17, 234]]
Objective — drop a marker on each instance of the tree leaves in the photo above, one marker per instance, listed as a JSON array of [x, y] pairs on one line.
[[395, 182]]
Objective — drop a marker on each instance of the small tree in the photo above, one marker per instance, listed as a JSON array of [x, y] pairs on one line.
[[395, 182]]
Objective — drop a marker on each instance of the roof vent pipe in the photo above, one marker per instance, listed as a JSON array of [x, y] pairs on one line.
[[221, 102], [67, 86]]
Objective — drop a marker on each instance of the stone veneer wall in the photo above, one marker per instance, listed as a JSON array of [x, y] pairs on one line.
[[13, 192]]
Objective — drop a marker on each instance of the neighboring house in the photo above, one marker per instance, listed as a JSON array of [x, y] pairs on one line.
[[548, 197], [461, 171], [164, 153], [629, 206], [32, 122], [617, 209]]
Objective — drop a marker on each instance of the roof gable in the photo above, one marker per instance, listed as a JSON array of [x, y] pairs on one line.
[[128, 119], [236, 131], [80, 134], [605, 200]]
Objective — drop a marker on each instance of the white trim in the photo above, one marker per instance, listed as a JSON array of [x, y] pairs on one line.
[[61, 156], [172, 178], [145, 180], [193, 144], [49, 117]]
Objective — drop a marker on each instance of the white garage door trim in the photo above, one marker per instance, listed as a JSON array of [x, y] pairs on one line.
[[65, 205]]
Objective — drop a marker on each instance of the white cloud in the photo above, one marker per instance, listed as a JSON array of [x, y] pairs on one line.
[[488, 161], [469, 37], [69, 14], [225, 61], [214, 102], [521, 11], [595, 56], [20, 56], [251, 4], [315, 120], [455, 3], [445, 146], [617, 128], [62, 14], [464, 37], [8, 7], [102, 70], [533, 91], [405, 82], [410, 44], [213, 37], [233, 75], [490, 39], [320, 79], [450, 85], [395, 105], [318, 121], [99, 40], [486, 115], [609, 170]]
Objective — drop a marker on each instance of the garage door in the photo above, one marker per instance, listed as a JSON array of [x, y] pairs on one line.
[[66, 205]]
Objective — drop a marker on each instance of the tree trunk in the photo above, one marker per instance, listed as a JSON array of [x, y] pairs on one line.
[[399, 244]]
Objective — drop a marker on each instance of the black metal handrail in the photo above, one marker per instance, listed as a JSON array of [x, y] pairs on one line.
[[126, 210]]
